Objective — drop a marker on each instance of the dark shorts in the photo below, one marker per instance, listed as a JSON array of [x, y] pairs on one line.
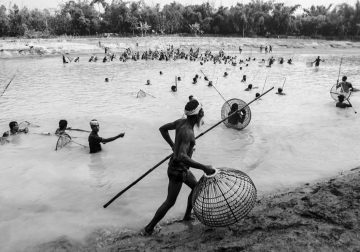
[[178, 175]]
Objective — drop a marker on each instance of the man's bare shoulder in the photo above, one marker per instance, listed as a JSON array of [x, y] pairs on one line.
[[185, 131], [179, 123]]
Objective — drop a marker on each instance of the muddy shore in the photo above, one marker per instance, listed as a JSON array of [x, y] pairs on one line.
[[323, 216]]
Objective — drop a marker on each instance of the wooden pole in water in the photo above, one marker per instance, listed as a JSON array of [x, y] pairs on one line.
[[283, 83], [339, 71], [8, 85], [215, 87], [351, 104], [162, 161], [81, 130], [264, 84]]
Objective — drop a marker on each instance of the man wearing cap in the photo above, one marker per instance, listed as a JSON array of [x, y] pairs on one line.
[[180, 162], [95, 140]]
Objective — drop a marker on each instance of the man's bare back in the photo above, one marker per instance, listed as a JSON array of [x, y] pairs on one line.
[[184, 139]]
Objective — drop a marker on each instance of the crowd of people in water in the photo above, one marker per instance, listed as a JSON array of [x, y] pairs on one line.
[[171, 53], [343, 88], [94, 139], [184, 142]]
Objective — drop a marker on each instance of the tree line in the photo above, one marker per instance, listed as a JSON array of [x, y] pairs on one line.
[[257, 18]]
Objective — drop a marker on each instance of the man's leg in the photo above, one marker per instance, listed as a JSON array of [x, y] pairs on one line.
[[190, 182], [173, 191]]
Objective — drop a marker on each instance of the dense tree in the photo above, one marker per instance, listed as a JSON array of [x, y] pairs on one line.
[[256, 18], [4, 21]]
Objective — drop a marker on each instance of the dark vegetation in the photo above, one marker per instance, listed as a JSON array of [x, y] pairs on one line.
[[257, 18]]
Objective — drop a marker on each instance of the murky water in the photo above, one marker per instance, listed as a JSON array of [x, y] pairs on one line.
[[45, 194]]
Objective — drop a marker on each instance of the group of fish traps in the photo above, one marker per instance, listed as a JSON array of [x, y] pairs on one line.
[[224, 198]]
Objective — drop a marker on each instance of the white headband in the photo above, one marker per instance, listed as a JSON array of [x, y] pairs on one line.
[[94, 123], [194, 111]]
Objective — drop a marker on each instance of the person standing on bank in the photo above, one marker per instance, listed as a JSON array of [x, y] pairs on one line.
[[95, 140], [180, 162]]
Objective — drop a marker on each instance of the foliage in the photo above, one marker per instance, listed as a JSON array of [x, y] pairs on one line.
[[257, 18]]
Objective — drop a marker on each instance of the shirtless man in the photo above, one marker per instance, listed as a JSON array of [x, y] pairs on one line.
[[317, 61], [14, 129], [346, 86], [238, 117], [62, 127], [180, 162]]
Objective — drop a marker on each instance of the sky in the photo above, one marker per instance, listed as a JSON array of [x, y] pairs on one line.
[[41, 4]]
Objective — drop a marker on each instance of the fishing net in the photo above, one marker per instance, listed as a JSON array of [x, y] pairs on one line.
[[238, 120], [25, 124], [336, 91], [223, 198], [62, 141], [140, 94]]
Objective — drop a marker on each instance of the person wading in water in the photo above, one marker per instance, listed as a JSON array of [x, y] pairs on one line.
[[346, 86], [341, 103], [95, 140], [317, 61], [14, 129], [180, 162]]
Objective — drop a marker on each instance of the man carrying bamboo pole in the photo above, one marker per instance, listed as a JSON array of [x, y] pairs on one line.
[[181, 161]]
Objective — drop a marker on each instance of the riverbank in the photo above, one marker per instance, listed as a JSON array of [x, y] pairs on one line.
[[323, 216], [10, 48], [291, 140]]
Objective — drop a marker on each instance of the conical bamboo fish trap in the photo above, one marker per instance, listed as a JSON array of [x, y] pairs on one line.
[[238, 120], [335, 92], [223, 198]]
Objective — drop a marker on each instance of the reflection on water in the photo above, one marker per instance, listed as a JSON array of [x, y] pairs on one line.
[[45, 194], [97, 170]]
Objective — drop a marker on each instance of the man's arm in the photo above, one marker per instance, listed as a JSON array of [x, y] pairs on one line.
[[164, 130], [340, 84], [110, 139]]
